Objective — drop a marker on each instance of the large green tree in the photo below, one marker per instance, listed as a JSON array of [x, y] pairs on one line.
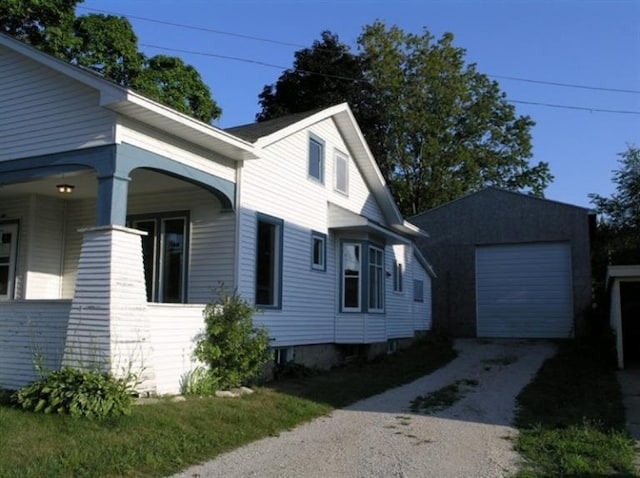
[[437, 127], [108, 45], [618, 238]]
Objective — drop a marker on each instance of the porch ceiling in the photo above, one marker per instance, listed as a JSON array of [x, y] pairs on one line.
[[85, 184]]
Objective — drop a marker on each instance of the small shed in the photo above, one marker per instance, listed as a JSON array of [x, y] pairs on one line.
[[509, 265], [623, 283]]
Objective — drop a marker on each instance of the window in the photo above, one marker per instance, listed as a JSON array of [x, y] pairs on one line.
[[269, 261], [164, 255], [341, 173], [8, 252], [418, 290], [397, 277], [363, 277], [316, 159], [351, 265], [318, 251], [283, 355], [376, 279]]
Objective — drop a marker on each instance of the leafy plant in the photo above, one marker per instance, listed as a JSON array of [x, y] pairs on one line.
[[80, 393], [232, 347]]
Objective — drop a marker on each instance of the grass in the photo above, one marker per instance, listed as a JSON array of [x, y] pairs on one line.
[[571, 417], [166, 437], [442, 398]]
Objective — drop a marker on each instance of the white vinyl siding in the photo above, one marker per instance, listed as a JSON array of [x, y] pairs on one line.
[[143, 136], [26, 329], [524, 290], [212, 243], [36, 102], [45, 248]]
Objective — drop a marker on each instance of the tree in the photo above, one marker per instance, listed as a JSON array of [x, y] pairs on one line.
[[437, 127], [618, 237], [108, 45], [169, 80]]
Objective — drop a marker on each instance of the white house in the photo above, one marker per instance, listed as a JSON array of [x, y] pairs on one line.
[[119, 217]]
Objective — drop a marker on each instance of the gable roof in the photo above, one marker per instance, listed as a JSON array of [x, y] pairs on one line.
[[127, 102], [253, 131], [499, 191], [269, 132]]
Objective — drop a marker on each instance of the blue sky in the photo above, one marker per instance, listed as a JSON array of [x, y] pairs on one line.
[[579, 42]]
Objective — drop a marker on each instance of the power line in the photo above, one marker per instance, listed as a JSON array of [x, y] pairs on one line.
[[566, 85], [280, 67], [202, 29], [298, 45], [571, 107]]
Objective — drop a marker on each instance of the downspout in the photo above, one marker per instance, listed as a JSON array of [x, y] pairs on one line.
[[236, 252]]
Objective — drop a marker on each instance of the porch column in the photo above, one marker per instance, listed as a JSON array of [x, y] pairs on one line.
[[111, 205], [108, 325]]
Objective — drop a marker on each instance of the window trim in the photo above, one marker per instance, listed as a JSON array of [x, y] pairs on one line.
[[398, 280], [13, 260], [315, 235], [381, 275], [314, 139], [338, 156], [364, 277], [158, 218], [418, 290], [361, 278], [279, 223]]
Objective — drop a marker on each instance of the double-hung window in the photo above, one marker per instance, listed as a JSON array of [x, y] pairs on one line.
[[164, 254], [8, 252], [376, 279], [362, 277], [418, 290], [351, 276], [269, 261], [397, 277], [316, 159], [341, 167], [318, 251]]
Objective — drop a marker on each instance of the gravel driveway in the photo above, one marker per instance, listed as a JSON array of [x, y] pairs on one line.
[[381, 437]]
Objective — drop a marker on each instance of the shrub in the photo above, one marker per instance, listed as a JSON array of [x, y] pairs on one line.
[[232, 347], [80, 393]]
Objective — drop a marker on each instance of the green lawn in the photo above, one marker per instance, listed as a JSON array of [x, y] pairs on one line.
[[571, 417], [164, 438]]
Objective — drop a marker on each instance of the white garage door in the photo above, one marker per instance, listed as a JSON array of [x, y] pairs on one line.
[[524, 290]]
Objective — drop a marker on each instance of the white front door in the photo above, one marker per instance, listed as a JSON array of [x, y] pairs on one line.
[[8, 251]]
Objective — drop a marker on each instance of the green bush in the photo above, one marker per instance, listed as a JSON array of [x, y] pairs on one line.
[[80, 393], [233, 348]]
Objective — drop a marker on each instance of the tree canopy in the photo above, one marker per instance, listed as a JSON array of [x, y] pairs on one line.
[[437, 127], [619, 221], [108, 45]]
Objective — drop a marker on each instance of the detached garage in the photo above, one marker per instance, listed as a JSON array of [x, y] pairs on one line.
[[509, 265]]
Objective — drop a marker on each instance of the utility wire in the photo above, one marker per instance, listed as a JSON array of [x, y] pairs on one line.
[[298, 45], [280, 67]]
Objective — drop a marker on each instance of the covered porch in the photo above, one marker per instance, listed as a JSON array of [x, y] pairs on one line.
[[114, 269]]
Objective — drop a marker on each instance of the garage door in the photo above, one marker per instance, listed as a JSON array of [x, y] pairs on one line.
[[524, 290]]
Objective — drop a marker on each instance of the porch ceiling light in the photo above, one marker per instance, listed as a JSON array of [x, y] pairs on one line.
[[65, 188]]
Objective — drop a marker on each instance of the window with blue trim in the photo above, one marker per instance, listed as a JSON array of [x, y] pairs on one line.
[[164, 254], [341, 173], [318, 251], [418, 290], [316, 159], [269, 261], [376, 279], [362, 276], [397, 277]]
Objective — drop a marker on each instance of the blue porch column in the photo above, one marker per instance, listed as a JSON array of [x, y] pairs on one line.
[[111, 207]]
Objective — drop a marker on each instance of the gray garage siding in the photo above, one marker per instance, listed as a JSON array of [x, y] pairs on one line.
[[492, 217]]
